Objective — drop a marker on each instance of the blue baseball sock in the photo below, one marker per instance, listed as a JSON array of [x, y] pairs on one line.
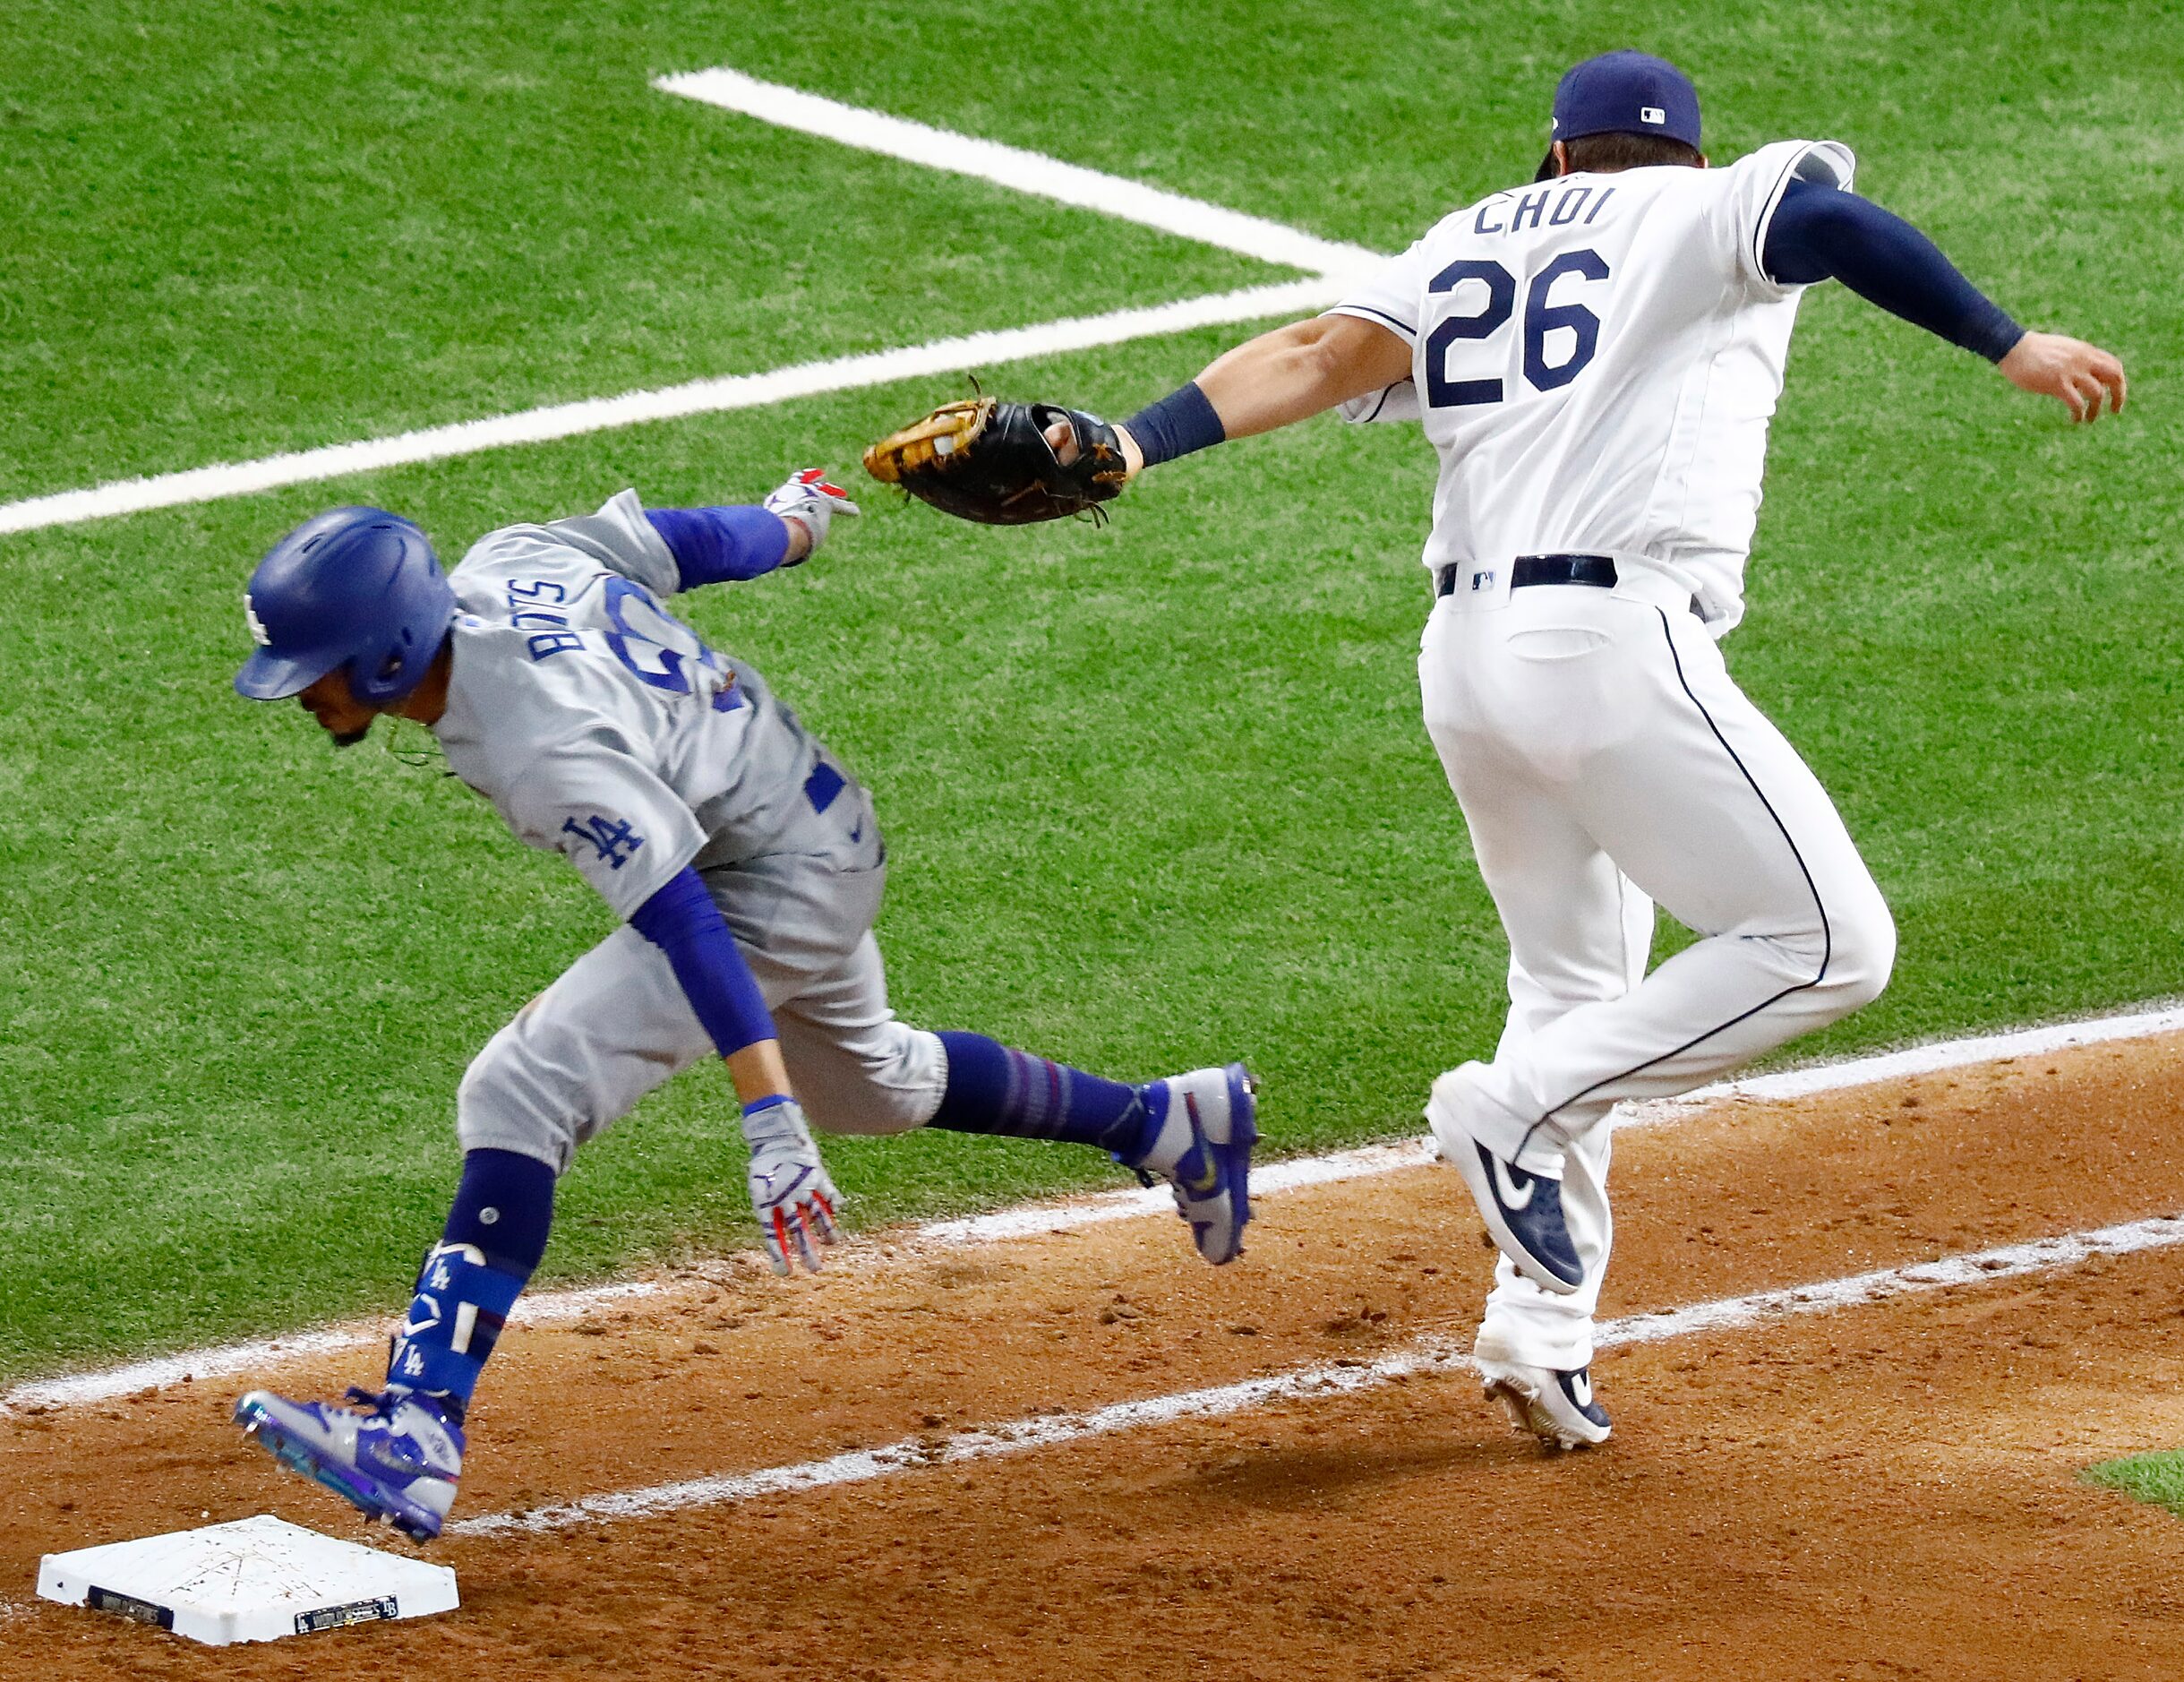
[[993, 1088], [495, 1235]]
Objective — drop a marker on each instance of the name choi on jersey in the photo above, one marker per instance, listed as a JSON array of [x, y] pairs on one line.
[[1559, 206]]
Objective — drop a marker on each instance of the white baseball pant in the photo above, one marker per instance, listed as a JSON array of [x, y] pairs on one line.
[[1604, 762]]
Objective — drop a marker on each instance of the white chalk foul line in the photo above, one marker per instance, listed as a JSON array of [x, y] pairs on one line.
[[164, 1371], [633, 409], [1026, 172], [1927, 1059], [1037, 1220], [2010, 1261], [1328, 262]]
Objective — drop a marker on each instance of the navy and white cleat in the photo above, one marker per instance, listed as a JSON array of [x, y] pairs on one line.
[[1203, 1152], [396, 1456], [1523, 1211], [1555, 1406]]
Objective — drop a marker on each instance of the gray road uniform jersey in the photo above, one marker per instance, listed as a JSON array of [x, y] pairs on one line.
[[602, 727]]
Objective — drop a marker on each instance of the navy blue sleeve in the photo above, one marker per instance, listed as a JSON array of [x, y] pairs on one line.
[[1821, 233], [1181, 421], [683, 921], [721, 545]]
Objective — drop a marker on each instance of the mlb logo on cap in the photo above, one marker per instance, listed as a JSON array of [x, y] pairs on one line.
[[1626, 93]]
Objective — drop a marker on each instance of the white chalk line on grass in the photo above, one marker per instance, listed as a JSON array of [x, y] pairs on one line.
[[699, 397], [1050, 1430], [1027, 172], [1328, 262], [1041, 1220]]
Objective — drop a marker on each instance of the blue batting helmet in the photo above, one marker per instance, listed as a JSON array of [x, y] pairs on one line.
[[353, 587]]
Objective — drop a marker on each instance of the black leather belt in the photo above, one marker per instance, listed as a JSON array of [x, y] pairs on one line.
[[1595, 570]]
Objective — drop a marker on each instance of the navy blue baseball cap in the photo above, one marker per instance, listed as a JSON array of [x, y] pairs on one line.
[[1626, 93]]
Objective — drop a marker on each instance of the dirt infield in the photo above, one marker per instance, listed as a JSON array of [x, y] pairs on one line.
[[1884, 1490]]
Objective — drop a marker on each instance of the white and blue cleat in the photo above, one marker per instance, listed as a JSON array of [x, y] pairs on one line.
[[396, 1456], [1550, 1403], [1203, 1152], [1522, 1209]]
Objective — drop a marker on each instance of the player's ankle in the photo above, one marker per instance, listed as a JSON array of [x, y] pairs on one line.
[[1163, 1134]]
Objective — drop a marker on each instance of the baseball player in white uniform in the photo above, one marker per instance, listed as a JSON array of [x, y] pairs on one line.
[[1595, 356], [746, 864]]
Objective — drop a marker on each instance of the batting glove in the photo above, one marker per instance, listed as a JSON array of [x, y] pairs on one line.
[[790, 1191], [808, 498]]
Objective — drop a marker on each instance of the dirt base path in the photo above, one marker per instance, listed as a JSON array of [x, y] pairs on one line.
[[1887, 1490]]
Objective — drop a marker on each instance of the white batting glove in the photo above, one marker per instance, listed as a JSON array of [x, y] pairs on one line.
[[790, 1191], [808, 498]]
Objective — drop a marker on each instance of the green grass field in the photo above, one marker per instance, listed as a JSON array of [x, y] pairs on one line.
[[1156, 794], [2155, 1478]]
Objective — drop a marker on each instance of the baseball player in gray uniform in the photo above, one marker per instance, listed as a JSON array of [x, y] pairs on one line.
[[1595, 356], [746, 864]]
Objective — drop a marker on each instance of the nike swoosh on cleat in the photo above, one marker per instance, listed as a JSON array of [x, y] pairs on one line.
[[1505, 1187]]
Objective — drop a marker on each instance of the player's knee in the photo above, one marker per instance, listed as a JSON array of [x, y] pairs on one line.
[[890, 1085], [501, 1105], [1862, 955]]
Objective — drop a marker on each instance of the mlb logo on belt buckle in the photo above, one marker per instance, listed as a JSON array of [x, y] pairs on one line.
[[1482, 580]]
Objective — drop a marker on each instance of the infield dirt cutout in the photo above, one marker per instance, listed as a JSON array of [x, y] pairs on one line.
[[1884, 1490]]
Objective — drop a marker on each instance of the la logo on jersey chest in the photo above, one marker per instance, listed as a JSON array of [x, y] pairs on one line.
[[1554, 205]]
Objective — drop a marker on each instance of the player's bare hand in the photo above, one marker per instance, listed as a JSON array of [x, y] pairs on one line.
[[791, 1192], [2074, 372], [807, 501], [1063, 441]]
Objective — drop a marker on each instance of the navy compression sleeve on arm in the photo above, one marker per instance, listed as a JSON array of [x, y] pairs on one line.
[[721, 545], [1181, 421], [1821, 232], [683, 921]]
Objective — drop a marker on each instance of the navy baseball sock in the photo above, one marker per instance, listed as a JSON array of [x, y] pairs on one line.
[[495, 1235], [993, 1088]]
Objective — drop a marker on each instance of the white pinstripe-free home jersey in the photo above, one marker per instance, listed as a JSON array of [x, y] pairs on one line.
[[1596, 358]]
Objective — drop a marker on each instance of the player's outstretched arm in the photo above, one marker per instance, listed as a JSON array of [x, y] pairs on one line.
[[1302, 369], [737, 543], [1273, 380], [790, 1191], [1821, 232]]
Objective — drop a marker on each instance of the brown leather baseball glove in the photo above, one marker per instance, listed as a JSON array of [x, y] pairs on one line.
[[987, 461]]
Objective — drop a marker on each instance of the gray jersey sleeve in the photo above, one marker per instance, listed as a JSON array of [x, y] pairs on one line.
[[623, 828], [619, 537]]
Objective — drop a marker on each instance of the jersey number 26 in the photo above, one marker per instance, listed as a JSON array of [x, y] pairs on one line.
[[1542, 316]]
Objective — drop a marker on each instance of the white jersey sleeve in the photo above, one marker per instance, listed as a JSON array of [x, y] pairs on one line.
[[1741, 209], [624, 830], [1397, 402], [1390, 295]]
